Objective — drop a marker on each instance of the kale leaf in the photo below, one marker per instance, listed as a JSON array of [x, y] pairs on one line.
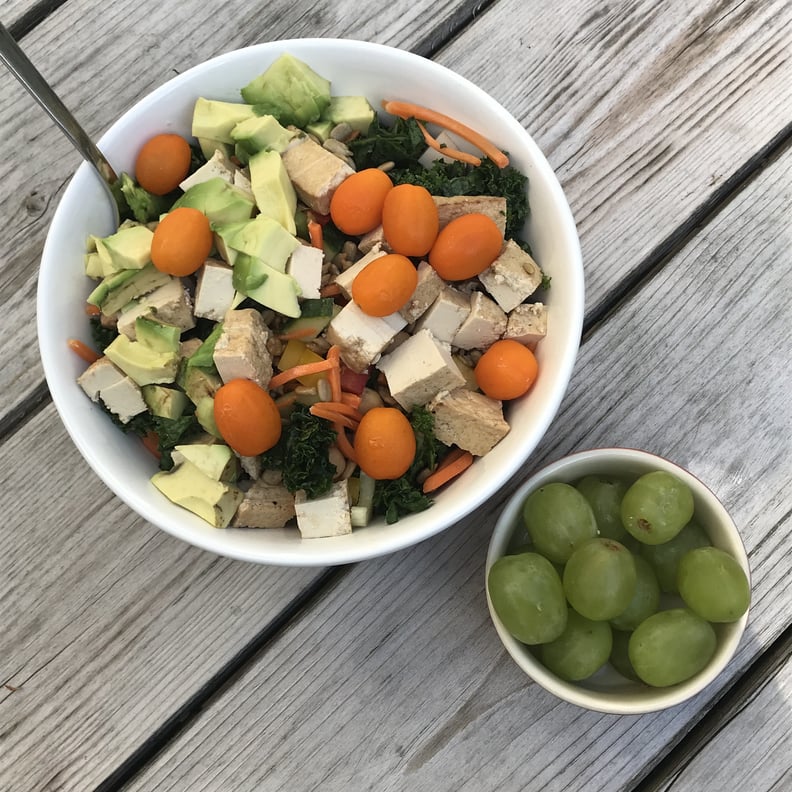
[[458, 178], [402, 142], [302, 453], [102, 336]]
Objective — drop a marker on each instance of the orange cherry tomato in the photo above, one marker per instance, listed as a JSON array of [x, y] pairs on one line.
[[247, 417], [356, 205], [506, 370], [385, 285], [163, 163], [182, 241], [384, 443], [466, 247], [409, 220]]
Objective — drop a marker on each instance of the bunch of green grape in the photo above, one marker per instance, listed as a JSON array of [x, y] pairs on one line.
[[618, 571]]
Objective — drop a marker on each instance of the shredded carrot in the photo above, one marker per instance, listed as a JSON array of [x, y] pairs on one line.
[[352, 399], [92, 310], [83, 350], [301, 333], [447, 151], [454, 463], [334, 354], [315, 234], [342, 441], [150, 442], [340, 408], [410, 110], [333, 416], [300, 371], [330, 290]]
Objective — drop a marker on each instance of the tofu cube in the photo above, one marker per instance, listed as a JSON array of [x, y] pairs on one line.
[[327, 515], [419, 369], [315, 173], [218, 167], [241, 351], [484, 325], [104, 380], [468, 419], [169, 304], [265, 506], [527, 324], [512, 277], [374, 238], [99, 375], [361, 338], [430, 284], [344, 279], [305, 266], [449, 208], [214, 290], [446, 314]]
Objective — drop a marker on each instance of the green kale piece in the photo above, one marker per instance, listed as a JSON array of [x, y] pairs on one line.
[[404, 495], [402, 143], [144, 206], [302, 453], [459, 178], [102, 336]]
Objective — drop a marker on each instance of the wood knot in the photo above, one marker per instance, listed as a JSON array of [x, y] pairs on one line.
[[35, 204]]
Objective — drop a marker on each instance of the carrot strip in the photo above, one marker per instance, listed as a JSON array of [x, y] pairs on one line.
[[340, 408], [83, 350], [334, 417], [316, 234], [447, 151], [299, 371], [410, 110], [330, 290], [342, 441], [352, 399], [334, 354], [92, 310], [452, 465], [302, 333]]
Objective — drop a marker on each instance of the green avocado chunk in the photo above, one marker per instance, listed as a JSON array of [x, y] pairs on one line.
[[214, 120], [220, 201], [141, 363], [164, 402], [216, 460], [272, 188]]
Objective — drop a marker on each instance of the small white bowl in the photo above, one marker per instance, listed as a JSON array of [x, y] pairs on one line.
[[607, 690], [354, 67]]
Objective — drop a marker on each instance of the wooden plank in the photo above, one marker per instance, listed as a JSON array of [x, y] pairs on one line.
[[752, 751], [89, 65], [397, 681]]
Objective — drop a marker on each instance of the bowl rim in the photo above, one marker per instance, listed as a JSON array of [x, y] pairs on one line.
[[340, 552], [653, 699]]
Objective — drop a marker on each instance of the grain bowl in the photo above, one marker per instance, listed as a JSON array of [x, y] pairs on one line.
[[354, 68]]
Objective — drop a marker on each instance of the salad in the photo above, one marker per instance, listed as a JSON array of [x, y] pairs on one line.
[[311, 314]]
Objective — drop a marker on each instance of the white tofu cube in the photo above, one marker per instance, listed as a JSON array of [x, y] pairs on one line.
[[512, 277], [327, 515], [99, 375], [469, 420], [484, 325], [420, 368], [124, 399], [315, 173], [527, 324], [360, 337], [344, 279], [445, 315], [214, 290], [241, 351], [219, 166], [305, 266], [430, 284]]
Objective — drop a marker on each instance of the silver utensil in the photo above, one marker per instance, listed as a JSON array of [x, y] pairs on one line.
[[22, 68]]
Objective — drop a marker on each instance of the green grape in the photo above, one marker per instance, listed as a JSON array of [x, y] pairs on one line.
[[620, 657], [528, 597], [656, 507], [664, 558], [645, 599], [558, 518], [599, 579], [671, 646], [713, 584], [604, 494], [582, 649]]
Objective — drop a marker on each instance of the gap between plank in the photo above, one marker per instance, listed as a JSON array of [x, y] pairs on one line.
[[33, 17]]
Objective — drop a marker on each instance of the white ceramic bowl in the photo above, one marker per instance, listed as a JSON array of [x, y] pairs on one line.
[[354, 67], [608, 691]]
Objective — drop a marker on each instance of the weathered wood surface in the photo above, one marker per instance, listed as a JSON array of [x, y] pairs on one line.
[[396, 680], [753, 751]]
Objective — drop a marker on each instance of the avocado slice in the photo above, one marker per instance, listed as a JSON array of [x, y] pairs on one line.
[[220, 201], [114, 291], [214, 120], [262, 133], [204, 413], [157, 336], [188, 486], [142, 364], [290, 90], [164, 402], [128, 248], [273, 289], [353, 110], [262, 237], [199, 381], [216, 460], [272, 188]]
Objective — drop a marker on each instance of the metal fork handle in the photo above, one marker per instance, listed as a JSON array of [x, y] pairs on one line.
[[21, 67]]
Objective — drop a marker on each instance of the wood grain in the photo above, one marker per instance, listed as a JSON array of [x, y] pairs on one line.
[[396, 680]]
